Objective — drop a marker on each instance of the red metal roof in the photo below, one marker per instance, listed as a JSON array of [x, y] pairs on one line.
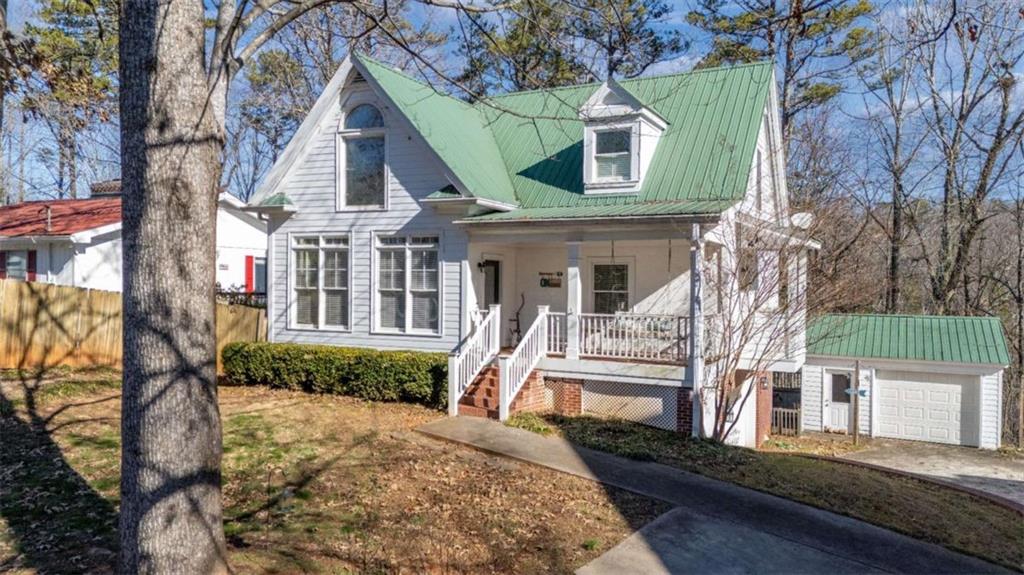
[[66, 217]]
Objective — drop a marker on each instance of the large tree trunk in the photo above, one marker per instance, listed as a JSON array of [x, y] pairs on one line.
[[170, 486]]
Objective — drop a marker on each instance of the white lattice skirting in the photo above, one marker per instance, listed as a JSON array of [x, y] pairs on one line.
[[653, 405]]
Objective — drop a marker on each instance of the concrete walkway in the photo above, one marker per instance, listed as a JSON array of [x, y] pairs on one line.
[[719, 527]]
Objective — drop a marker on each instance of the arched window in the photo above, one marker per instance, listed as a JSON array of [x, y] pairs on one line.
[[362, 117], [364, 179]]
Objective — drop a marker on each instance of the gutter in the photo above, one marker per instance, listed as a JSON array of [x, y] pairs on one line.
[[695, 218], [33, 238]]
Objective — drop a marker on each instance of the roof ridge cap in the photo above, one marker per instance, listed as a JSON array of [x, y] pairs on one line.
[[908, 315], [631, 80]]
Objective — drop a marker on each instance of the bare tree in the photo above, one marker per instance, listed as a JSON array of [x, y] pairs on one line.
[[975, 116], [756, 274], [891, 107]]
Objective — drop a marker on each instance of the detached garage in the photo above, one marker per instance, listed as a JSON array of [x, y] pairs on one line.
[[922, 378]]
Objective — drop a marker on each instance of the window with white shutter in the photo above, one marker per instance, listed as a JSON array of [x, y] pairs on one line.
[[320, 282], [408, 284]]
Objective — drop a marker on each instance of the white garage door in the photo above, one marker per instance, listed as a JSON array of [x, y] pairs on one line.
[[928, 407]]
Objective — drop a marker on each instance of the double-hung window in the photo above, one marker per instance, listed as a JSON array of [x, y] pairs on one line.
[[361, 156], [408, 284], [611, 288], [320, 282], [613, 157]]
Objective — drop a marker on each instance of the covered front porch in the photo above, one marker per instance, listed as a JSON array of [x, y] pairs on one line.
[[610, 306]]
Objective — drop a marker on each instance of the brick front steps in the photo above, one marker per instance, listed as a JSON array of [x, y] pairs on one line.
[[481, 399]]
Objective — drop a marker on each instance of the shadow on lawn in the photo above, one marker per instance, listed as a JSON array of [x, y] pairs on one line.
[[56, 521]]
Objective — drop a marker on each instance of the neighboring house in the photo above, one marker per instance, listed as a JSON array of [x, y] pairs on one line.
[[561, 225], [925, 378], [78, 242]]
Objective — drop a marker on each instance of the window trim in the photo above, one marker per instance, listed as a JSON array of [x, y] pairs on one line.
[[408, 331], [293, 324], [595, 185], [342, 136], [630, 280], [831, 386]]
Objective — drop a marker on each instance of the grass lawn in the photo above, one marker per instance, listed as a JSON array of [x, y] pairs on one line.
[[816, 443], [920, 509], [311, 484]]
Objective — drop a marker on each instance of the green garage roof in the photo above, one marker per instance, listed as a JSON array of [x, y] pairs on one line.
[[525, 149], [976, 340]]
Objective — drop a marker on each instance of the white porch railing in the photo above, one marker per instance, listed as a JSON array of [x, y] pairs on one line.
[[515, 369], [478, 350], [557, 335], [633, 336]]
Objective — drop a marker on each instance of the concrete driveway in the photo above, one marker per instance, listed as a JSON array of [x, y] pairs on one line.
[[999, 473]]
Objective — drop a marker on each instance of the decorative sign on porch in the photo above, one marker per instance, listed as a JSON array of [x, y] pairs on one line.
[[550, 279], [860, 392]]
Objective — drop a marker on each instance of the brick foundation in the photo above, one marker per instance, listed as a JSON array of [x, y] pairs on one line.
[[531, 396], [684, 411], [568, 396]]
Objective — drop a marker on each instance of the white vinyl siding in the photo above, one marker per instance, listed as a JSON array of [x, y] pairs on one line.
[[991, 410], [311, 184]]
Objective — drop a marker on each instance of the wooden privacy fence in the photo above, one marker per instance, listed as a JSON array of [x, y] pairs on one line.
[[45, 326], [785, 421]]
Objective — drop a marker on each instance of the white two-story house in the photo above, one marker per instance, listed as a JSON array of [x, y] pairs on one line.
[[569, 248]]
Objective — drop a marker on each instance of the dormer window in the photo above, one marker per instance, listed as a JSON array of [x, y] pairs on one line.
[[620, 135], [362, 173], [613, 156]]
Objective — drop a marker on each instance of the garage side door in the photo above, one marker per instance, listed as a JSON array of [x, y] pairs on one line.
[[937, 407]]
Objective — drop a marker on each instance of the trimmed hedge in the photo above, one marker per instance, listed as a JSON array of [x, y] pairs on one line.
[[411, 376]]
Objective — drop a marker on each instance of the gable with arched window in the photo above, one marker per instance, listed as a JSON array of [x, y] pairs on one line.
[[362, 159]]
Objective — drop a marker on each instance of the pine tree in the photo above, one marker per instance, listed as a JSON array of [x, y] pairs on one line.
[[814, 43], [75, 79]]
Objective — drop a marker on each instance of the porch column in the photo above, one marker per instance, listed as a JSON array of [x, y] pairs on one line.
[[695, 367], [573, 303]]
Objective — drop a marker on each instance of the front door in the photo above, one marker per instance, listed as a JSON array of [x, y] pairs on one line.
[[492, 283], [838, 403]]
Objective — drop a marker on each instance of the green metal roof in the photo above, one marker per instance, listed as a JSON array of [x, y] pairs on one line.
[[446, 193], [279, 199], [977, 340], [452, 128], [705, 152], [526, 148]]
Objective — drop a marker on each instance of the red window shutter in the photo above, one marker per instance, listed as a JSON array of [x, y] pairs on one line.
[[250, 265], [31, 266], [3, 265]]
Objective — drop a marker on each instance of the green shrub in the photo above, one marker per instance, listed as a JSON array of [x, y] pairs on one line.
[[411, 376]]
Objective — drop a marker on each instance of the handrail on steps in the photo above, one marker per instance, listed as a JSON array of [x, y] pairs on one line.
[[516, 368], [469, 359]]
